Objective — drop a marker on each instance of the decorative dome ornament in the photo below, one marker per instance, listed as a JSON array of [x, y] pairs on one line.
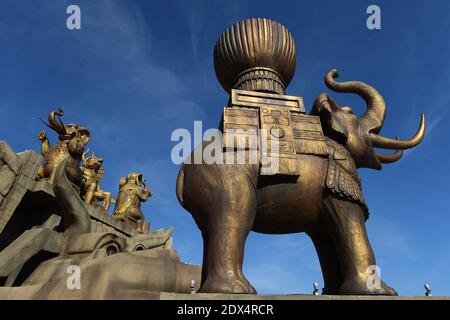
[[255, 55]]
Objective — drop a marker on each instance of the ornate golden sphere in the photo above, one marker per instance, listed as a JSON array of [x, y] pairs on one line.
[[255, 55]]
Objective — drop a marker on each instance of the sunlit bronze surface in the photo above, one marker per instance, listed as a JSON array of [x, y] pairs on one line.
[[318, 191], [72, 140], [132, 192], [92, 176], [255, 54]]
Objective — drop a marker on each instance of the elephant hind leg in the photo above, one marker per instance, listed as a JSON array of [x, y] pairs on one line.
[[224, 236], [222, 263], [329, 262], [346, 224]]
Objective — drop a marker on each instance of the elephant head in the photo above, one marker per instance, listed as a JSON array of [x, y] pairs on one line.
[[359, 135], [76, 136], [91, 162], [135, 178]]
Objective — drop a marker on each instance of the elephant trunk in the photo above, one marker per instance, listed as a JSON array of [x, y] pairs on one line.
[[57, 125], [372, 120]]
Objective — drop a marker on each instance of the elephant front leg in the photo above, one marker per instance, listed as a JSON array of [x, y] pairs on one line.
[[345, 221], [230, 219], [90, 193]]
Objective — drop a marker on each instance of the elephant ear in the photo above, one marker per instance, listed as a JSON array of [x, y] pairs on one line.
[[78, 141], [84, 135], [326, 108]]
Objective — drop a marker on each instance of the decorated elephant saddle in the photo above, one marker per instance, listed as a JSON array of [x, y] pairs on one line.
[[275, 125], [342, 179]]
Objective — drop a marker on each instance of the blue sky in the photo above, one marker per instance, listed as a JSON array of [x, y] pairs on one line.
[[137, 70]]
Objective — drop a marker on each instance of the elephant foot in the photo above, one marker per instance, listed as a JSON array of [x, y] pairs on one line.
[[360, 287], [330, 290], [227, 285]]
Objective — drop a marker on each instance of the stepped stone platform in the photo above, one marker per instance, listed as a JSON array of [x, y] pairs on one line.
[[25, 293], [219, 296]]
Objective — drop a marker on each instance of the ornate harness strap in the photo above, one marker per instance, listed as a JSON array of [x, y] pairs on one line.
[[342, 178]]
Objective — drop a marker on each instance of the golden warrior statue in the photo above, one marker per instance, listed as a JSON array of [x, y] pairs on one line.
[[132, 191], [92, 176]]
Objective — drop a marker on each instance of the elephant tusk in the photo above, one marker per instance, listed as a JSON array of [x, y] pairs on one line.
[[389, 158], [386, 143], [83, 156]]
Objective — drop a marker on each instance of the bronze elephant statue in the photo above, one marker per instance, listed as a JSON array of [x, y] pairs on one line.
[[228, 201], [72, 140]]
